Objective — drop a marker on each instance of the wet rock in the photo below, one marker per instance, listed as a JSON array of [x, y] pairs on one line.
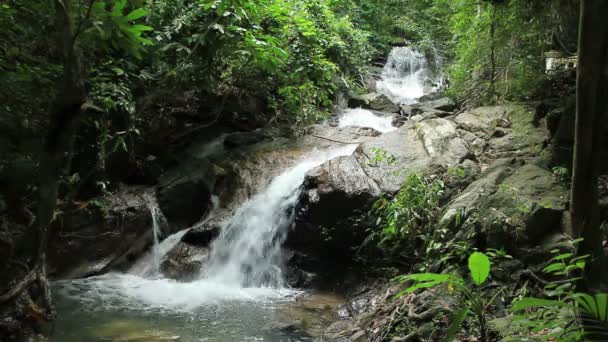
[[384, 104], [184, 203], [374, 101], [240, 139], [361, 100], [119, 225], [184, 262], [203, 234], [443, 104]]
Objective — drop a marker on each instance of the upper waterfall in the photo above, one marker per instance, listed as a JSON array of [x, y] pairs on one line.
[[403, 76]]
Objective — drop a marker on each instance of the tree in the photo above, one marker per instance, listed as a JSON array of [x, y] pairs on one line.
[[68, 108], [591, 116]]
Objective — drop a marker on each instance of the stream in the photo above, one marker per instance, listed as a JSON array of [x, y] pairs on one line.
[[241, 295]]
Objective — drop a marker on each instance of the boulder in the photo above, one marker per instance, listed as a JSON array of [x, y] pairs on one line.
[[374, 101], [362, 101], [382, 103], [513, 203], [184, 203], [443, 104], [202, 235], [336, 196], [241, 139], [184, 262], [119, 225]]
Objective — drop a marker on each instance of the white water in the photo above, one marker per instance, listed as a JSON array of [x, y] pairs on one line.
[[403, 75], [246, 261], [359, 117], [148, 266], [211, 148], [249, 250], [156, 215]]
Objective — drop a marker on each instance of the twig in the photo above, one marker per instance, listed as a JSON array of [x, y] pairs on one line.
[[337, 141]]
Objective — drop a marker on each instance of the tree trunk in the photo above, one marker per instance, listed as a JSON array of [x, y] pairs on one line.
[[591, 115], [55, 154]]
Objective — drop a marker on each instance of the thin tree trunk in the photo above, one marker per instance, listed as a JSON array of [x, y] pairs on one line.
[[493, 52], [591, 115], [63, 121]]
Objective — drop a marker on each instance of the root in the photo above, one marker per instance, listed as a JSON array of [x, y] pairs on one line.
[[17, 289]]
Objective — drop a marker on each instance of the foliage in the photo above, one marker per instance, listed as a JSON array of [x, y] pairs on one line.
[[293, 54], [557, 311], [381, 156], [473, 299], [409, 218]]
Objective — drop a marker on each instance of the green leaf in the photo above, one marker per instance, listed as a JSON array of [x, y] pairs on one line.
[[479, 266], [136, 14], [554, 267], [456, 323], [531, 302]]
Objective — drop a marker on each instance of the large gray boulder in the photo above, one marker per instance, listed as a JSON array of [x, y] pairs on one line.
[[512, 204], [336, 196]]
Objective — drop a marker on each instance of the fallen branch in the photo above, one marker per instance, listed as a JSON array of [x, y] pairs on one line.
[[337, 141], [22, 285]]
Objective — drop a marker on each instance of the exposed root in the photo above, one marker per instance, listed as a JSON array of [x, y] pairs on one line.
[[20, 287]]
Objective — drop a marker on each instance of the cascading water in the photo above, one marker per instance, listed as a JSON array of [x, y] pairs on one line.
[[402, 81], [403, 75], [233, 299], [155, 213], [360, 117], [248, 252]]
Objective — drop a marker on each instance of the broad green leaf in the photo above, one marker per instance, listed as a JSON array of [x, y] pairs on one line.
[[479, 266], [136, 14], [531, 302]]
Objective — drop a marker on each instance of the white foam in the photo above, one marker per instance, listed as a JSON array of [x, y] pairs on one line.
[[403, 75], [359, 117]]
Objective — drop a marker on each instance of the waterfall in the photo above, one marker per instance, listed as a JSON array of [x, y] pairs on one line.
[[403, 76], [150, 263], [248, 252], [364, 118], [246, 260]]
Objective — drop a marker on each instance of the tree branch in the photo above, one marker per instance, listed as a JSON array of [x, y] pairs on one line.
[[82, 21]]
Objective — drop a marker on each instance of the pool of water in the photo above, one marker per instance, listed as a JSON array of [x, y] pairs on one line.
[[119, 307]]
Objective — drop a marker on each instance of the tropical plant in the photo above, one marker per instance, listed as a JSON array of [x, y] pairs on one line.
[[409, 218], [473, 299]]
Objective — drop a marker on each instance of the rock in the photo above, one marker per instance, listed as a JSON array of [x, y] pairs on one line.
[[511, 203], [240, 139], [442, 142], [184, 262], [119, 225], [539, 190], [332, 213], [362, 101], [443, 104], [374, 101], [184, 203], [427, 111], [382, 103], [202, 235]]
